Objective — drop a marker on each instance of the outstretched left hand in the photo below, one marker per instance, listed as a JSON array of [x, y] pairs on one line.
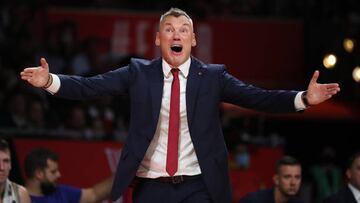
[[317, 93]]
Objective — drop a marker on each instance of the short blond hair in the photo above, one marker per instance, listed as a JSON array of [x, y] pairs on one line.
[[176, 12]]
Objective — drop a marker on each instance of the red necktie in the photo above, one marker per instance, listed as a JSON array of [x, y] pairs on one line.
[[174, 120]]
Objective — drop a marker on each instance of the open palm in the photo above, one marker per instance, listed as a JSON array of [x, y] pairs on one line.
[[317, 93], [36, 76]]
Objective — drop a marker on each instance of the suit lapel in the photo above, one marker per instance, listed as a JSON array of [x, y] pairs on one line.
[[193, 83], [349, 195], [156, 88]]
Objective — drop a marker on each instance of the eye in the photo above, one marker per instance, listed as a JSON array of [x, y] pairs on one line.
[[168, 29], [184, 30], [287, 177]]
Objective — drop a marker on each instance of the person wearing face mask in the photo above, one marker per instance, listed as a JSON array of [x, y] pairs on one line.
[[175, 149], [42, 171], [287, 181], [10, 192], [241, 158]]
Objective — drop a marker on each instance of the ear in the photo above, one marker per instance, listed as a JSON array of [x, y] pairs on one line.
[[39, 174], [193, 41], [348, 174], [276, 180], [157, 39]]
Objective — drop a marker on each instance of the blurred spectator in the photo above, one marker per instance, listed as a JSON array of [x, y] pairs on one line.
[[68, 36], [287, 181], [36, 115], [52, 49], [42, 170], [15, 115], [351, 192], [76, 122], [102, 111], [327, 176], [10, 191], [241, 159], [87, 60]]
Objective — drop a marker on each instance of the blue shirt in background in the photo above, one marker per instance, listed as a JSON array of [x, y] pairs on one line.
[[63, 194]]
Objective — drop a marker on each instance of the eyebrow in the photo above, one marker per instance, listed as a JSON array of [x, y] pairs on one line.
[[185, 24]]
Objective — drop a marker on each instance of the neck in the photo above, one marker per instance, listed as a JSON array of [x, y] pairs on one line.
[[33, 187], [280, 197]]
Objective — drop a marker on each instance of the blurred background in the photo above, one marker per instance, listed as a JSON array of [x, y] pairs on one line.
[[271, 44]]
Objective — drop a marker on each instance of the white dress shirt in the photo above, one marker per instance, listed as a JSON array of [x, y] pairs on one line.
[[355, 192], [154, 163]]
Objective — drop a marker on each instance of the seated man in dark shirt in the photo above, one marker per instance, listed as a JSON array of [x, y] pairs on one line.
[[287, 180], [350, 193]]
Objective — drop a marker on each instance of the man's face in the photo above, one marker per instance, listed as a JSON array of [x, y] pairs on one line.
[[176, 38], [48, 177], [353, 173], [5, 165], [288, 180]]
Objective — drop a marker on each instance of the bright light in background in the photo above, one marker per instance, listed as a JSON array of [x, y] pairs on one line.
[[356, 74], [349, 45], [329, 61]]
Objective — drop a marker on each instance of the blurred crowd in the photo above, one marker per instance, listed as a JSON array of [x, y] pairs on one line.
[[314, 9], [25, 36]]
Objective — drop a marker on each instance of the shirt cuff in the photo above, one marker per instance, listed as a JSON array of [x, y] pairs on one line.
[[55, 85], [299, 104]]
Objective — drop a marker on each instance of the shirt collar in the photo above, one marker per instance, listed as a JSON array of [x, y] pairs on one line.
[[355, 192], [184, 68]]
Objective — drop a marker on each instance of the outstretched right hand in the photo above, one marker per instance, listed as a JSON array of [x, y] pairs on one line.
[[37, 76]]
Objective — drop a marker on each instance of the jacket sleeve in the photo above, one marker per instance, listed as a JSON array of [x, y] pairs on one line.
[[239, 93], [111, 83]]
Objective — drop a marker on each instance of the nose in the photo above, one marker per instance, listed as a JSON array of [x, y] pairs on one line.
[[293, 181], [176, 35]]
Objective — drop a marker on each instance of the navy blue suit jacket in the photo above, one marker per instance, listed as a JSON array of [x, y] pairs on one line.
[[344, 195], [207, 86]]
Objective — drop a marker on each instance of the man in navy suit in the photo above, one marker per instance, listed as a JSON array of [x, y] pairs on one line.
[[201, 172], [351, 192]]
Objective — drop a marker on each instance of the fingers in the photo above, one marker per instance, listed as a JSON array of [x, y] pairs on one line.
[[44, 64], [314, 77], [332, 87], [25, 74], [335, 89], [333, 92], [29, 70]]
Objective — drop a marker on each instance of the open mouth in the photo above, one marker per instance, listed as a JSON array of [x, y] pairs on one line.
[[176, 48]]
